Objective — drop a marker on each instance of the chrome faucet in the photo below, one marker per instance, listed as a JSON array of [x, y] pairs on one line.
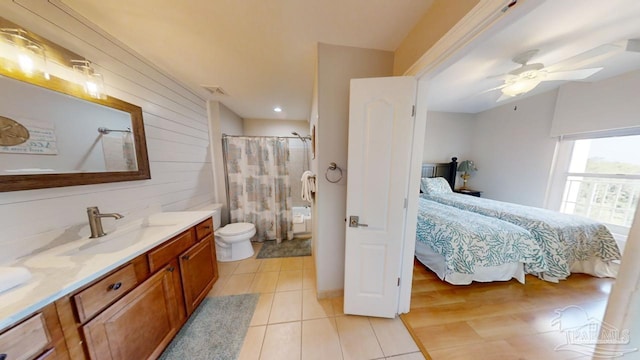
[[95, 221]]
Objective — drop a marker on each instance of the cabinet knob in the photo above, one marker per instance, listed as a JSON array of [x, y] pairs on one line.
[[185, 258], [115, 286], [170, 269], [207, 227]]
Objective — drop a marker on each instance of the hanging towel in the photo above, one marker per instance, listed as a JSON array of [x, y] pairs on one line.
[[308, 186], [112, 145], [129, 151], [119, 152]]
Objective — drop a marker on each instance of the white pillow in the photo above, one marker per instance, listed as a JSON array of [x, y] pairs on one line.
[[437, 185]]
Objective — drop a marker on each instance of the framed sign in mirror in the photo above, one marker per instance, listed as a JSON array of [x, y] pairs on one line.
[[58, 131]]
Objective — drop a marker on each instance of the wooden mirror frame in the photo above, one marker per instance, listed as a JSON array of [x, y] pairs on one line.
[[41, 181]]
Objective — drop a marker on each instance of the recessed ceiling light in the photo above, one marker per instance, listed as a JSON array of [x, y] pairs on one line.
[[277, 109]]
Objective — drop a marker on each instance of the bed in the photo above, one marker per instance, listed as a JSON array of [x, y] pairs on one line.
[[461, 247], [569, 243]]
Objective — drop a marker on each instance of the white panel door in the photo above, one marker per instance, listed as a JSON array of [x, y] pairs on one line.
[[380, 135]]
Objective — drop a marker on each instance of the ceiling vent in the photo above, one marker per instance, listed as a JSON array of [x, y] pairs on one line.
[[215, 90]]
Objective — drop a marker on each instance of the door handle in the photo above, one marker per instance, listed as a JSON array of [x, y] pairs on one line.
[[354, 221]]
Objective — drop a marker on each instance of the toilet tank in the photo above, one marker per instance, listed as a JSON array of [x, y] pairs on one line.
[[217, 217]]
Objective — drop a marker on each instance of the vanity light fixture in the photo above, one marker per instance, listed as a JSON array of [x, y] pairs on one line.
[[22, 50], [92, 81], [277, 109]]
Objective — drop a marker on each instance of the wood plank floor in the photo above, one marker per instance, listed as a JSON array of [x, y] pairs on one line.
[[501, 320]]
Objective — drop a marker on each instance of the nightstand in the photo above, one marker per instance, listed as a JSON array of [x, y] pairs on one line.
[[475, 193]]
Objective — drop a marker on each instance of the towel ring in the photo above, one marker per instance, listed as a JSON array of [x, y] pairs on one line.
[[333, 167]]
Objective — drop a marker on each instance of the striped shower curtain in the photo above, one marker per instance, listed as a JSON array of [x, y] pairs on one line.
[[259, 187]]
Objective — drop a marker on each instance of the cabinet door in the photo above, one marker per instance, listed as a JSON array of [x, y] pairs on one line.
[[138, 326], [199, 270]]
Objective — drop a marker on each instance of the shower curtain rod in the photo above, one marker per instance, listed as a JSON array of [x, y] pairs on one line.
[[251, 136]]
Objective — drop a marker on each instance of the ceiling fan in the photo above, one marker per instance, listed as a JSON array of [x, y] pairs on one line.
[[529, 75]]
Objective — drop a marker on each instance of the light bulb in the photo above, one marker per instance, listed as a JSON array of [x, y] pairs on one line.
[[26, 64], [23, 52], [520, 86], [525, 82], [92, 82], [92, 88]]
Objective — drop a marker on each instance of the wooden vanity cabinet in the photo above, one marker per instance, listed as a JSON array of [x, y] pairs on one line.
[[140, 324], [199, 271], [92, 300], [196, 253], [39, 337], [204, 228], [134, 311]]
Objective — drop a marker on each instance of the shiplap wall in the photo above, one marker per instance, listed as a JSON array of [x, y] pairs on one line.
[[176, 126]]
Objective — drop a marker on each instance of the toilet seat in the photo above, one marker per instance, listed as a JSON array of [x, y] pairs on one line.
[[236, 232], [236, 229]]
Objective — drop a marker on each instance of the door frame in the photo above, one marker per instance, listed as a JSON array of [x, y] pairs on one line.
[[483, 21]]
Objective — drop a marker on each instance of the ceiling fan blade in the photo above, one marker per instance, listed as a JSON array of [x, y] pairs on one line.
[[494, 88], [504, 77], [571, 75], [588, 57], [504, 97]]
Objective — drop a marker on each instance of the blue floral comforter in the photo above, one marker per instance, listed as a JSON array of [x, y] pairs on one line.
[[563, 238], [467, 240]]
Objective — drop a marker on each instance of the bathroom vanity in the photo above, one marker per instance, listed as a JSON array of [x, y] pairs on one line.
[[122, 303]]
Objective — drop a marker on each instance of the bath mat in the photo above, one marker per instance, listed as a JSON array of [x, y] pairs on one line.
[[287, 248], [215, 331]]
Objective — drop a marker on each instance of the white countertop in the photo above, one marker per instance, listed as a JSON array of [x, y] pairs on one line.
[[62, 270]]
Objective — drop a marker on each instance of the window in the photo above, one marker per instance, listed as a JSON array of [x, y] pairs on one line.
[[603, 182]]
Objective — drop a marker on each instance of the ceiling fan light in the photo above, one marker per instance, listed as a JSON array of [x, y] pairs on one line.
[[520, 86]]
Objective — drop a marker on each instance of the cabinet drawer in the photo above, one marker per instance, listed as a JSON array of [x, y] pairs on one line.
[[138, 326], [170, 250], [204, 228], [25, 341], [99, 295]]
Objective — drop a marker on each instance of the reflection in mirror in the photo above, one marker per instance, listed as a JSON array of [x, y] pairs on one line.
[[56, 129], [64, 136]]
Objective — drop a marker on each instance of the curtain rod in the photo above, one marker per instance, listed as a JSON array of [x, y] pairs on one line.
[[248, 136]]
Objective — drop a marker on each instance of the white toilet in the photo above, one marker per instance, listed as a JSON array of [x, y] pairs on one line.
[[233, 242]]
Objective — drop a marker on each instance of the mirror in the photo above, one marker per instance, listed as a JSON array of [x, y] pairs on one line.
[[53, 133]]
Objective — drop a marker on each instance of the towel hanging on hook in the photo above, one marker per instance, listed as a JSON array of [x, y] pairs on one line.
[[308, 186]]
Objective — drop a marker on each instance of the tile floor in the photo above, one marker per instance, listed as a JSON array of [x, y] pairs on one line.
[[291, 323]]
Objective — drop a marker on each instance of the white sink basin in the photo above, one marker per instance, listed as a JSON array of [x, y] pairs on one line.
[[118, 241], [13, 276]]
